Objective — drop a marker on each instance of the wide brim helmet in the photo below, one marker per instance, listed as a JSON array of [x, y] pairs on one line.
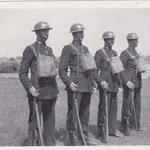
[[41, 26], [132, 36], [108, 35], [77, 27]]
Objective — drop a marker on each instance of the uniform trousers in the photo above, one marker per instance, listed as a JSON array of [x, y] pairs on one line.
[[112, 112], [83, 99], [47, 112], [127, 107]]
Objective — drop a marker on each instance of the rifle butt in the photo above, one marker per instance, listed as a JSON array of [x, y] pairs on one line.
[[106, 138], [78, 120], [38, 123]]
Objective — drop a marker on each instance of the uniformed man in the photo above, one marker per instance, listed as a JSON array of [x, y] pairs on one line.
[[44, 88], [81, 83], [103, 59], [131, 85]]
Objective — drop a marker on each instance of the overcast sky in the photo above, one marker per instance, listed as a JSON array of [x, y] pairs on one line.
[[16, 26]]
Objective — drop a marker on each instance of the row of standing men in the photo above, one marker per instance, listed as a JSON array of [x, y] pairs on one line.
[[46, 89]]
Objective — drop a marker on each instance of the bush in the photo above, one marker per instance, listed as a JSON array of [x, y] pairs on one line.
[[8, 65]]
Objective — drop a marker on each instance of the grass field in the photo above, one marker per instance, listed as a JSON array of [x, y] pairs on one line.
[[14, 115]]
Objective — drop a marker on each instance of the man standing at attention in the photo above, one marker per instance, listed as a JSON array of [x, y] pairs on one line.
[[78, 81], [103, 58], [42, 85], [132, 83]]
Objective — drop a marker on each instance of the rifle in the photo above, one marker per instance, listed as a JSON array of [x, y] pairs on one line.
[[35, 103], [133, 107], [105, 138], [38, 121], [77, 118]]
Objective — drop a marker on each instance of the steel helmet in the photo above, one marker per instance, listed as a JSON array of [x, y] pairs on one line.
[[77, 27], [132, 36], [41, 25], [108, 35]]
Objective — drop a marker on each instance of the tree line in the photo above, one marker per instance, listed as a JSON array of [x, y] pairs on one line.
[[11, 65]]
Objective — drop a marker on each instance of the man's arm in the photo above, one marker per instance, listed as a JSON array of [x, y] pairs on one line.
[[97, 77], [24, 68], [124, 59], [63, 66]]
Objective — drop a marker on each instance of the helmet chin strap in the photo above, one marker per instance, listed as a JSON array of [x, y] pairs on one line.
[[108, 45], [132, 47], [39, 38], [77, 39]]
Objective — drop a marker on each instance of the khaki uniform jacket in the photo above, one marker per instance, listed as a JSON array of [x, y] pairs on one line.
[[130, 67], [104, 66], [68, 59], [47, 86]]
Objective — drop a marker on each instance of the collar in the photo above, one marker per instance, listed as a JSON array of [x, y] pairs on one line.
[[107, 48], [133, 50], [77, 42], [39, 42]]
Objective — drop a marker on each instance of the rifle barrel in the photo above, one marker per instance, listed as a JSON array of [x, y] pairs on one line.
[[38, 122]]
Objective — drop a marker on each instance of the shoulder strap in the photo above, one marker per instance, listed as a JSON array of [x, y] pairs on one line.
[[103, 50], [74, 48], [109, 62], [129, 53], [34, 50], [37, 72], [127, 50], [77, 60]]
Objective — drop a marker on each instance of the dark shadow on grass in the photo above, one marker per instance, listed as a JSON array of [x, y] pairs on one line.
[[61, 138], [94, 130]]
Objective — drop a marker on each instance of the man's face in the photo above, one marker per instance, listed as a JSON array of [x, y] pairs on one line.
[[79, 35], [133, 43], [43, 34], [109, 42]]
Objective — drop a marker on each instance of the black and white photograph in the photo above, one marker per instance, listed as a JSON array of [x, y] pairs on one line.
[[75, 74]]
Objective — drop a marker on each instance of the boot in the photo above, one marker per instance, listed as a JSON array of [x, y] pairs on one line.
[[125, 127], [103, 135]]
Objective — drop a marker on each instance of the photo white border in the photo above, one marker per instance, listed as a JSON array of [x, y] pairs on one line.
[[75, 4]]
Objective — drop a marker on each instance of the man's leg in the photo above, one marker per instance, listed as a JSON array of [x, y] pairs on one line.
[[126, 110], [101, 115], [32, 134], [137, 104], [112, 113], [48, 109], [70, 123], [84, 111]]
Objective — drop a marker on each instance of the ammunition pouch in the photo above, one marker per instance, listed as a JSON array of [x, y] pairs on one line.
[[87, 62], [116, 65], [141, 65], [46, 66]]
